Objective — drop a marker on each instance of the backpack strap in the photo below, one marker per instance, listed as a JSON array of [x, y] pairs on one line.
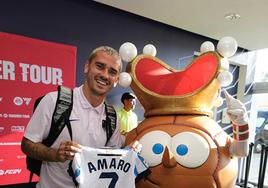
[[110, 123], [37, 101], [61, 115]]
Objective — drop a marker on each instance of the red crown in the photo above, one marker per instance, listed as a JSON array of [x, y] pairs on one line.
[[163, 90]]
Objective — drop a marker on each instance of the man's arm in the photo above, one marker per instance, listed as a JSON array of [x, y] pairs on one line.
[[38, 150], [43, 153]]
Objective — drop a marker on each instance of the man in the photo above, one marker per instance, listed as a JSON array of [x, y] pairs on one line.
[[101, 73], [128, 119]]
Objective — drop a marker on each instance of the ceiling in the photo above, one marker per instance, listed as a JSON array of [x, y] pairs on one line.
[[207, 17]]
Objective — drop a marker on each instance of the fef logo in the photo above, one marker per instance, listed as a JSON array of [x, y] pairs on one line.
[[17, 128], [21, 100], [10, 171], [2, 129]]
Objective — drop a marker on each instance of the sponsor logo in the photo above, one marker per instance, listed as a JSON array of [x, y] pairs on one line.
[[1, 99], [23, 116], [10, 171], [22, 100], [2, 129], [21, 156], [18, 101], [10, 143], [17, 128]]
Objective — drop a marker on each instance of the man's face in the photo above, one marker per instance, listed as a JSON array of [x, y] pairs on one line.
[[101, 73], [129, 104]]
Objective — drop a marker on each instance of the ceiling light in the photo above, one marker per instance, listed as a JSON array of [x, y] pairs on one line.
[[232, 16]]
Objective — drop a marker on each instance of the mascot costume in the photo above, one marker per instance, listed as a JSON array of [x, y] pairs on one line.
[[181, 143]]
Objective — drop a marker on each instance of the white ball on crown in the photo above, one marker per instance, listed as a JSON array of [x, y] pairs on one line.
[[128, 51], [225, 63], [225, 78], [125, 79], [207, 47], [227, 46], [149, 49]]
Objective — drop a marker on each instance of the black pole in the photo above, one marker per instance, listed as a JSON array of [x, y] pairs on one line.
[[261, 164], [264, 166], [248, 162]]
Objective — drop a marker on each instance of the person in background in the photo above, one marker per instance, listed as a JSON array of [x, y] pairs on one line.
[[101, 73], [128, 118]]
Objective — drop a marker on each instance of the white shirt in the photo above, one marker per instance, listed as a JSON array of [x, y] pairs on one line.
[[86, 123], [108, 168]]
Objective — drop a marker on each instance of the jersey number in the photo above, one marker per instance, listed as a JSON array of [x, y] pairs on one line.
[[112, 175]]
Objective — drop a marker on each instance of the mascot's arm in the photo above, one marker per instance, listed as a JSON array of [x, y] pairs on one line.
[[238, 115]]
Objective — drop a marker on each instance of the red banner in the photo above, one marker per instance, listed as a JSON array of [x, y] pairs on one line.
[[29, 68]]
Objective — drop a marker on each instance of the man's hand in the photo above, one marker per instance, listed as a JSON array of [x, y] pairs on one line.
[[67, 150]]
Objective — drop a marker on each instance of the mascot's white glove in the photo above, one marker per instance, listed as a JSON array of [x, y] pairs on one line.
[[239, 117], [236, 110]]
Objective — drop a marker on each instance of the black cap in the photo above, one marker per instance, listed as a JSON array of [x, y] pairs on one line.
[[127, 95]]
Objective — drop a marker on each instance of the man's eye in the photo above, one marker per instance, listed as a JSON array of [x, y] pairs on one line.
[[113, 72], [99, 66]]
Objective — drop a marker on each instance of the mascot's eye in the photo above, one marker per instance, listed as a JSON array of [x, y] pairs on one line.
[[182, 149], [190, 149], [158, 148], [153, 146]]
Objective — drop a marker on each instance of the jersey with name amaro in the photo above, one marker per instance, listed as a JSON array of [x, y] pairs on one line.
[[108, 168]]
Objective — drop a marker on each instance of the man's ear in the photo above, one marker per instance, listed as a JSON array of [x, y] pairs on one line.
[[116, 82], [86, 67]]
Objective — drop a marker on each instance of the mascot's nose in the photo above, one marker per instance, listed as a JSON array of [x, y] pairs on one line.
[[168, 159]]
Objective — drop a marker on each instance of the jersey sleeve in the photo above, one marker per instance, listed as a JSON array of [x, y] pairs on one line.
[[141, 168]]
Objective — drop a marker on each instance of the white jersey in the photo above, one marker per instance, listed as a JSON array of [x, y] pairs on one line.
[[108, 168]]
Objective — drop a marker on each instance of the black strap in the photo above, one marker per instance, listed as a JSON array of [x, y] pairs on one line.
[[70, 169], [109, 124], [71, 173], [31, 177], [61, 113]]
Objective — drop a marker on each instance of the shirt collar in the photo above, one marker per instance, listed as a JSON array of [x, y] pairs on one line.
[[86, 104], [128, 112]]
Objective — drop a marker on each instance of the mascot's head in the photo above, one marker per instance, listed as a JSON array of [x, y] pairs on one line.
[[162, 90], [181, 144]]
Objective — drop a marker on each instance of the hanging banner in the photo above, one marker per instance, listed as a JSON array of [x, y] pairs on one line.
[[29, 68]]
